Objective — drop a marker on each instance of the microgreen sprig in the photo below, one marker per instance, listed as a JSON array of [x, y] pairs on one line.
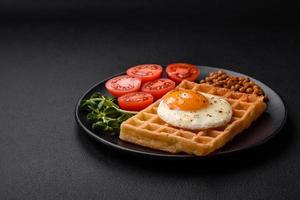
[[103, 113]]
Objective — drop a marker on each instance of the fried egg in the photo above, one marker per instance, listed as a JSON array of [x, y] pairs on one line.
[[194, 110]]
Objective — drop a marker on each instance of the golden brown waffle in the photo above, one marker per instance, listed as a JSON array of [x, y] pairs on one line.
[[147, 129]]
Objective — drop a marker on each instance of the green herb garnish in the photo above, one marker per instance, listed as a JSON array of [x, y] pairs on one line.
[[103, 113]]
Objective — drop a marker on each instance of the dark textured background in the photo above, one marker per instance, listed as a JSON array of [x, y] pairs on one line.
[[50, 53]]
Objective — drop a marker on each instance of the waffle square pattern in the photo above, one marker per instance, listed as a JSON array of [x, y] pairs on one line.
[[147, 129]]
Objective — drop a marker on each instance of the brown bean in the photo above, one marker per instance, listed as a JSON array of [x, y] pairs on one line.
[[246, 81], [247, 84], [259, 92], [230, 82], [241, 84], [249, 90], [242, 89]]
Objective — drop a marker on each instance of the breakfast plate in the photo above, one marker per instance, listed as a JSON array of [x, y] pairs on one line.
[[264, 128]]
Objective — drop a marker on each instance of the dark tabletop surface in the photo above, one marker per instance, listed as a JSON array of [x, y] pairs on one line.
[[46, 66]]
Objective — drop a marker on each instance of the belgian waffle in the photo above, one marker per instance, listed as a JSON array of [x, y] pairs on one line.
[[147, 129]]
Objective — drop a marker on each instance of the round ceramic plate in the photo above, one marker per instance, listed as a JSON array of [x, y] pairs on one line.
[[260, 131]]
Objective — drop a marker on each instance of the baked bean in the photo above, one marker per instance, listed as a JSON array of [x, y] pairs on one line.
[[247, 84], [241, 84], [249, 90], [242, 89]]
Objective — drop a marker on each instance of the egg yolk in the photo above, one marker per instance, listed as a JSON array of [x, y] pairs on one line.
[[186, 100]]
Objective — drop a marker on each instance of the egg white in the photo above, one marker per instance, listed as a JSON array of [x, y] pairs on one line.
[[216, 114]]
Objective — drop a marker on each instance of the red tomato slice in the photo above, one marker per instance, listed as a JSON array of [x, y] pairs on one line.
[[180, 71], [121, 85], [158, 87], [146, 72], [135, 101]]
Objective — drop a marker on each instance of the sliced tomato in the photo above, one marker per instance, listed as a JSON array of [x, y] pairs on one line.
[[158, 87], [146, 72], [180, 71], [121, 85], [135, 101]]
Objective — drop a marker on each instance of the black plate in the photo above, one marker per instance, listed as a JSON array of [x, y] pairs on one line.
[[263, 129]]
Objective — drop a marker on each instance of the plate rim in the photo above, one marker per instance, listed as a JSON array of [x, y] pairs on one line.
[[177, 156]]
